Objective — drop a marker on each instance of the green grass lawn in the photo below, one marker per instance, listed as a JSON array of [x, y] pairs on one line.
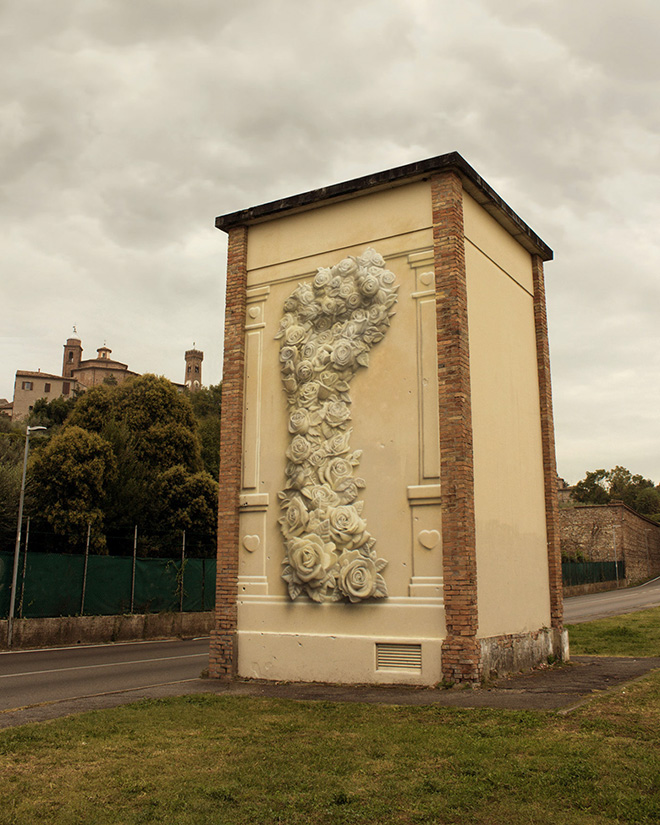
[[633, 634], [202, 760]]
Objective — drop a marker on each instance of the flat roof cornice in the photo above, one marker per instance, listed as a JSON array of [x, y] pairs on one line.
[[473, 184]]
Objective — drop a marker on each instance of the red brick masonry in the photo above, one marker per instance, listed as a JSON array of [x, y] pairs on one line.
[[461, 651], [548, 439], [223, 659]]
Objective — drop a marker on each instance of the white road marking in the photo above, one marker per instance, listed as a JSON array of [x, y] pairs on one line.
[[108, 664]]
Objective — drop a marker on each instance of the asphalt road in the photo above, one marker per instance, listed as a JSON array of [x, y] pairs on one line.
[[611, 603], [40, 684], [32, 677]]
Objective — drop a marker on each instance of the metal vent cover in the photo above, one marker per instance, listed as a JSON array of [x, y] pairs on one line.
[[398, 657]]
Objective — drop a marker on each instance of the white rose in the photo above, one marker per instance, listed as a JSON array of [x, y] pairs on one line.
[[310, 558], [358, 577]]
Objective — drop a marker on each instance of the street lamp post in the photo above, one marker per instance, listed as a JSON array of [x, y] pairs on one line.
[[19, 530]]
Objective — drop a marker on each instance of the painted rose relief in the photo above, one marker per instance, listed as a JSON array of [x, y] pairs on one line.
[[329, 327]]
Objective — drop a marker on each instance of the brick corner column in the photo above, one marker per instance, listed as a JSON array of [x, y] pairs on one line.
[[548, 439], [461, 650], [223, 657]]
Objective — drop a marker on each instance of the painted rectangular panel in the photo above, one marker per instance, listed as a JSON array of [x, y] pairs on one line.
[[251, 427], [430, 425], [252, 551]]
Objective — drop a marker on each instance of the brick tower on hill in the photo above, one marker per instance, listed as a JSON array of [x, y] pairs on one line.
[[193, 378]]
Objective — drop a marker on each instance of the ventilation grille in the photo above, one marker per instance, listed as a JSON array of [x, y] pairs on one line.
[[399, 657]]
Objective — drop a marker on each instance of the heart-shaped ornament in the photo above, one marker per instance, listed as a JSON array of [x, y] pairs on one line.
[[429, 539], [251, 543], [427, 278]]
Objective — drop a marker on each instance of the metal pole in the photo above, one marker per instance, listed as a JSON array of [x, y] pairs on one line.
[[25, 552], [183, 561], [616, 563], [133, 573], [84, 584], [19, 527]]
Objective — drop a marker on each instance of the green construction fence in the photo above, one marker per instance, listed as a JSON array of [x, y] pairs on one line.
[[51, 584]]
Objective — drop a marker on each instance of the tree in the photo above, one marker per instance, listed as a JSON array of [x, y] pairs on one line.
[[52, 413], [189, 502], [647, 502], [158, 419], [11, 471], [619, 484], [71, 476], [206, 405], [156, 482], [12, 449]]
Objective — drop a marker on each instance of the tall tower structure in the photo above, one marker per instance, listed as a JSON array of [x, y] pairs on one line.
[[72, 356], [402, 314], [193, 379]]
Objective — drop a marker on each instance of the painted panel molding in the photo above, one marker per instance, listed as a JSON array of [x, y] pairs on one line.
[[328, 329]]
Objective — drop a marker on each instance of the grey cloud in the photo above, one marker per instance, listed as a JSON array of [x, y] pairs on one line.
[[126, 127]]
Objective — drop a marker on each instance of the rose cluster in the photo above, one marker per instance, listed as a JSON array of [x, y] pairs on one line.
[[327, 331]]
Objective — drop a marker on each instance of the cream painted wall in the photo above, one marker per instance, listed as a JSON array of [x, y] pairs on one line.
[[367, 218], [391, 425], [394, 404], [512, 565]]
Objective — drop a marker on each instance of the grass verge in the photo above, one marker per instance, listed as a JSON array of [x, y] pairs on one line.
[[632, 634], [215, 760], [208, 759]]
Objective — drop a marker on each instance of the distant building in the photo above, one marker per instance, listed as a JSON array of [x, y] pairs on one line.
[[93, 371], [30, 386], [82, 374], [565, 493]]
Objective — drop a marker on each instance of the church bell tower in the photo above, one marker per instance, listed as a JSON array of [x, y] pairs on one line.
[[193, 379], [72, 356]]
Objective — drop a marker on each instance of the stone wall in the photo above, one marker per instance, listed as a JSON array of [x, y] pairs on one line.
[[641, 546], [612, 532], [86, 630]]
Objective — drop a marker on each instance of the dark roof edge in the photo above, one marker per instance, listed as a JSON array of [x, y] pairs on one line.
[[473, 183]]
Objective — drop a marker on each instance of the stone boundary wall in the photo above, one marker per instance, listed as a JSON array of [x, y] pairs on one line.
[[592, 587], [85, 630], [641, 546], [612, 532]]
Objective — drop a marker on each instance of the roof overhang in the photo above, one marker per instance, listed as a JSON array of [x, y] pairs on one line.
[[473, 184]]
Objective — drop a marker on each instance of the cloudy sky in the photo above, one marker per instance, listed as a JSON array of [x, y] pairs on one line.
[[126, 127]]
